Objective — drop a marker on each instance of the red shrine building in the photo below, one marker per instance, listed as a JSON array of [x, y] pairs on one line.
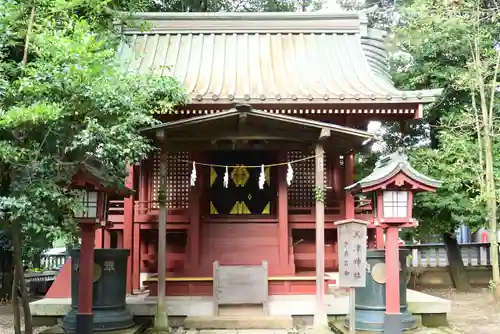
[[267, 90]]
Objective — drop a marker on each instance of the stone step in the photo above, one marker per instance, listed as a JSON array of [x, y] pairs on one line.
[[239, 322]]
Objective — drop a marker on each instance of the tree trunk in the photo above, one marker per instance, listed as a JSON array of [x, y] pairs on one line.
[[456, 263], [36, 262], [15, 305], [487, 133], [7, 273], [19, 273], [491, 205]]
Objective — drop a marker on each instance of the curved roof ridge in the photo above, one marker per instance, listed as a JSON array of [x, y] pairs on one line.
[[277, 43]]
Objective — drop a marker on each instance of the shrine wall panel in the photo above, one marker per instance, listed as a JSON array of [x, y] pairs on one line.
[[301, 192], [304, 250], [175, 251], [240, 244], [178, 174]]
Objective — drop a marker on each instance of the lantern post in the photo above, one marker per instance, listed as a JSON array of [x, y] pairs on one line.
[[393, 183], [90, 178], [89, 217]]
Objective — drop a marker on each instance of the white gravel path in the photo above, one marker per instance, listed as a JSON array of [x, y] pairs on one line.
[[7, 321]]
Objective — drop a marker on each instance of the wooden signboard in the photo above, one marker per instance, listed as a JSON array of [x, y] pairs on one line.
[[234, 285], [352, 244]]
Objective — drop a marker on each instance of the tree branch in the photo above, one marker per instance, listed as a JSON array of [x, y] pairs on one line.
[[494, 86], [28, 33]]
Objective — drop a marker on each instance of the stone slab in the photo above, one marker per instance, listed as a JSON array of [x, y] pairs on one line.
[[233, 331], [282, 305], [239, 322], [133, 330], [340, 329], [422, 303]]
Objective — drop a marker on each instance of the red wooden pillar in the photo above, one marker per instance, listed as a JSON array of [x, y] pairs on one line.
[[128, 222], [337, 178], [144, 252], [392, 273], [136, 248], [379, 239], [283, 230], [84, 317], [98, 238], [349, 179], [194, 217], [106, 243], [136, 257], [144, 179]]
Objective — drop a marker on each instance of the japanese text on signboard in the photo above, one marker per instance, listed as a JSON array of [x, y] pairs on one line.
[[352, 254]]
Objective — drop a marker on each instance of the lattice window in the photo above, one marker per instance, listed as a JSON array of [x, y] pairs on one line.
[[178, 173], [301, 191]]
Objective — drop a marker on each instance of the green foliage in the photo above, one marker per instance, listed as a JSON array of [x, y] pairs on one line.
[[234, 6], [433, 49], [319, 194], [458, 200], [71, 102]]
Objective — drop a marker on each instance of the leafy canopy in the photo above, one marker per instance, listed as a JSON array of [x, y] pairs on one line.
[[433, 48], [72, 101]]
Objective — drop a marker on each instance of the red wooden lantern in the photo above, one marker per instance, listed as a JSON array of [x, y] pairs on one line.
[[93, 207], [91, 180], [393, 183]]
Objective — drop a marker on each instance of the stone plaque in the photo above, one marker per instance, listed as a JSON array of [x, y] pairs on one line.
[[235, 285], [352, 244]]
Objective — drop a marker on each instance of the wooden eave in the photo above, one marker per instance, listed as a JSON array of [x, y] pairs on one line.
[[245, 124], [394, 168], [87, 175], [268, 58]]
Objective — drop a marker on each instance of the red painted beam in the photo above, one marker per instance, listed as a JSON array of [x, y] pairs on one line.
[[128, 221]]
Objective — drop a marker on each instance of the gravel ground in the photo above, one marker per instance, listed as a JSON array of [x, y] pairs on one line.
[[471, 313], [7, 320]]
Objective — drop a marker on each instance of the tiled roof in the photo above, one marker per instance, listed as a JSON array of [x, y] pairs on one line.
[[387, 167], [268, 57]]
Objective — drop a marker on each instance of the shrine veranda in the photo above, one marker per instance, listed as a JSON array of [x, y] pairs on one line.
[[267, 90]]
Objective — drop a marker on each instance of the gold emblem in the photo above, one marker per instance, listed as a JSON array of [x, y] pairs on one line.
[[213, 210], [240, 175], [267, 209], [240, 208], [97, 272], [213, 176]]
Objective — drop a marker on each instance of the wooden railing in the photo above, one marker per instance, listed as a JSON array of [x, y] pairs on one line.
[[434, 255], [333, 211], [115, 207], [151, 207], [141, 208]]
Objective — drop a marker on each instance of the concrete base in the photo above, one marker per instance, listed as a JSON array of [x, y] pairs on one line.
[[296, 306], [238, 322], [338, 328], [393, 323], [133, 330], [434, 320]]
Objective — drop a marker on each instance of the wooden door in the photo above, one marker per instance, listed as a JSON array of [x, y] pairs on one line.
[[242, 196]]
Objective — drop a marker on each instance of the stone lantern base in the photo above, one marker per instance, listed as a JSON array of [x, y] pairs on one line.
[[109, 291], [370, 300]]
